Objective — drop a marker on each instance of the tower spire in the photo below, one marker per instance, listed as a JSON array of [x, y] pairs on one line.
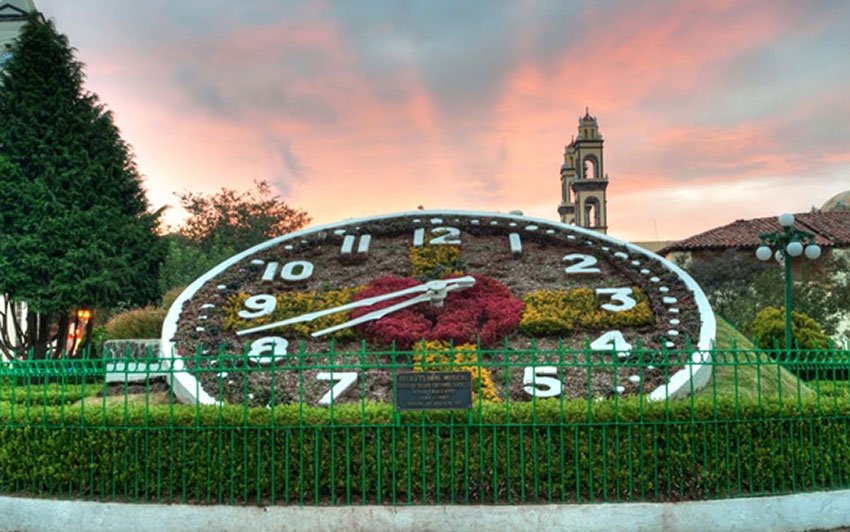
[[583, 179]]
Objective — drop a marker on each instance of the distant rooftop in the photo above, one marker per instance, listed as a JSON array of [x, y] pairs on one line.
[[831, 230], [839, 202]]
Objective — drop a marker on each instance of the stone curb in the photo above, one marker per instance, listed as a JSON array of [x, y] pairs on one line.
[[789, 513]]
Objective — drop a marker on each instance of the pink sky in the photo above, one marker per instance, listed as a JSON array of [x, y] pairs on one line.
[[711, 111]]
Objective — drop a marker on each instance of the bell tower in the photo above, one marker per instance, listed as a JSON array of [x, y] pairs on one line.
[[583, 180]]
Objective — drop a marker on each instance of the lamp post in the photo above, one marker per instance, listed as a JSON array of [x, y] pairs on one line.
[[788, 243]]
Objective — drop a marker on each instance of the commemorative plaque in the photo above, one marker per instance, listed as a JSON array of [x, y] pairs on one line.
[[433, 390]]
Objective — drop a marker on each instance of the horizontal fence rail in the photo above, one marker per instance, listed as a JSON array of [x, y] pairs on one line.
[[768, 422]]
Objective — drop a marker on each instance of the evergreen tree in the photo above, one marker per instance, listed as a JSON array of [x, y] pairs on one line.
[[76, 230]]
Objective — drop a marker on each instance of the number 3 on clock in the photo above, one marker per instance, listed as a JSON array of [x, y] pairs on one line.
[[623, 296]]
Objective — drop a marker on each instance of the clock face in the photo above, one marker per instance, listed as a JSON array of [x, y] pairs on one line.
[[332, 313]]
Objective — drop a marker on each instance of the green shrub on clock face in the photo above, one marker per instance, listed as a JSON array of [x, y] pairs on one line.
[[295, 303], [563, 311], [435, 262]]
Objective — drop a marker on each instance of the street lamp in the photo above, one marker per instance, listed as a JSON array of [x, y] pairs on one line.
[[789, 242]]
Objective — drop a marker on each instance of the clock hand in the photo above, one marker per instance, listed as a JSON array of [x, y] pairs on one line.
[[376, 315], [436, 294], [465, 282]]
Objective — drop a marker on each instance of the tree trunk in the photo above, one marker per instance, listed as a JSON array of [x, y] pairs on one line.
[[87, 345], [61, 336], [32, 335]]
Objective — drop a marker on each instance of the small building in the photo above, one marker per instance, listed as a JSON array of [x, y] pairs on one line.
[[13, 15], [830, 226]]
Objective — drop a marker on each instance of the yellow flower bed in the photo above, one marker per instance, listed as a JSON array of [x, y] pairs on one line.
[[291, 304], [563, 311], [435, 261], [437, 356]]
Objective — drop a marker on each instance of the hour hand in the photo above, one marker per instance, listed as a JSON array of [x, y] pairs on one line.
[[436, 293], [333, 310], [462, 282]]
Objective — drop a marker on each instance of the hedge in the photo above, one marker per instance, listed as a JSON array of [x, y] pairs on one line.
[[548, 451]]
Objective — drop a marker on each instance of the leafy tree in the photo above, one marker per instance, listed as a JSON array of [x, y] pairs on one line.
[[238, 220], [738, 286], [186, 261], [77, 230], [222, 224]]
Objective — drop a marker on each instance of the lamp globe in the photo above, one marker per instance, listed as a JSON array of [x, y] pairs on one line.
[[813, 251], [795, 249], [763, 253]]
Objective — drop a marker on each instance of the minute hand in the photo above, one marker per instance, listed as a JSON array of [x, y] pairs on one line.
[[378, 314], [357, 304]]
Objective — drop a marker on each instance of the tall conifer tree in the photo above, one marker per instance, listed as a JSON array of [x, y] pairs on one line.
[[76, 229]]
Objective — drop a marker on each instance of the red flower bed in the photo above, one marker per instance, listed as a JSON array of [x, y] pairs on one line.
[[486, 311]]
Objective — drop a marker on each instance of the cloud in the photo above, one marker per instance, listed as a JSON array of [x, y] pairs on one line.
[[357, 108]]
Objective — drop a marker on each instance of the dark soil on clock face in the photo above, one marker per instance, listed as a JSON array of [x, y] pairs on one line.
[[485, 251]]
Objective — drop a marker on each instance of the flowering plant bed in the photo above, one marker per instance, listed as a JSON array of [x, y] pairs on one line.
[[361, 299]]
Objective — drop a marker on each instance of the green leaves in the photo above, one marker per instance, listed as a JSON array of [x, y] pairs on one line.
[[238, 220], [77, 230]]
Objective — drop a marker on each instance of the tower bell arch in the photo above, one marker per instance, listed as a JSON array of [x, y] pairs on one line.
[[583, 179]]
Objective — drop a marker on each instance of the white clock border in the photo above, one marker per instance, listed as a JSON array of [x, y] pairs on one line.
[[693, 377]]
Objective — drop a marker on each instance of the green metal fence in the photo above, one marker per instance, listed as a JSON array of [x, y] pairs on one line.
[[755, 429]]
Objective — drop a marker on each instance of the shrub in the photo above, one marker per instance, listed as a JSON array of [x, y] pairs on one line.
[[769, 330], [99, 336], [486, 313], [563, 311], [434, 262], [291, 304], [170, 296], [542, 452], [140, 323], [808, 360], [440, 356]]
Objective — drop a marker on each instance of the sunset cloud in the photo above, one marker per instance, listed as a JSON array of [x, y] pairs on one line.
[[358, 108]]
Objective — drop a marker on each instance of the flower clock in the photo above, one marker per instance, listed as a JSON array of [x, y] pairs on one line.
[[532, 309]]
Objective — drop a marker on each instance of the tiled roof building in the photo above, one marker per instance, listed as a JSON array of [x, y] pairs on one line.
[[831, 230]]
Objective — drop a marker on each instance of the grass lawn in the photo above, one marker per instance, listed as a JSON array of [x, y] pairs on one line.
[[754, 375]]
